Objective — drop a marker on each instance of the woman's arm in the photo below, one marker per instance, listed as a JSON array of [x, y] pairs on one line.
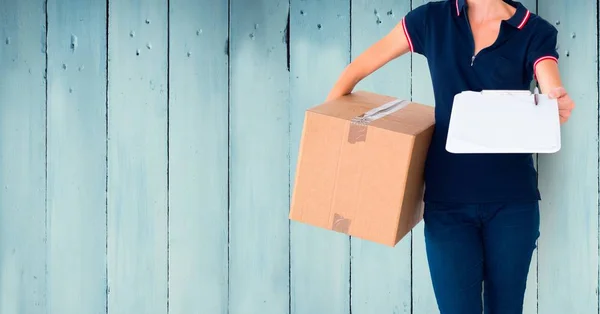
[[392, 46], [548, 77]]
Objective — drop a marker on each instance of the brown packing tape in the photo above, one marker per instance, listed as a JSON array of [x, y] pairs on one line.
[[340, 224], [357, 133], [359, 125]]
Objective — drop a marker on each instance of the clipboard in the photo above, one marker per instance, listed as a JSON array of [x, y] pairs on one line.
[[503, 121]]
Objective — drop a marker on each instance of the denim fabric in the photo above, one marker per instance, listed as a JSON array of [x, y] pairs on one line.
[[468, 245]]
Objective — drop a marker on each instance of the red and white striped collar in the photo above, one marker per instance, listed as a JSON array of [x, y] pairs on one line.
[[518, 20]]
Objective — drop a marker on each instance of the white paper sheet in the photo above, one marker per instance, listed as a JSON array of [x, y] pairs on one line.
[[503, 122]]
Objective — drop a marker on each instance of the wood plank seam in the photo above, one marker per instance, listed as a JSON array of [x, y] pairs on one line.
[[46, 138], [537, 267], [290, 179], [411, 275], [350, 237], [106, 161], [228, 52], [168, 152], [597, 142]]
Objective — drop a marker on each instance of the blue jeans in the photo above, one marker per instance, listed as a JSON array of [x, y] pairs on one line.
[[468, 245]]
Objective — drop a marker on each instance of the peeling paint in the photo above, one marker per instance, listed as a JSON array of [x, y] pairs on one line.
[[377, 17], [286, 40], [74, 43]]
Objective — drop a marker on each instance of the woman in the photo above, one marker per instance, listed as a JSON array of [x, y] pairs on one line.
[[481, 210]]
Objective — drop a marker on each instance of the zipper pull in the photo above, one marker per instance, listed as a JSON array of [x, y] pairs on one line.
[[472, 60]]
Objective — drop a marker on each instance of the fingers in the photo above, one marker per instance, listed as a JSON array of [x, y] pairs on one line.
[[564, 115], [566, 103], [557, 93]]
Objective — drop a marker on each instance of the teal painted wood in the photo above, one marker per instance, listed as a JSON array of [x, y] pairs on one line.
[[320, 49], [381, 276], [423, 296], [76, 245], [259, 163], [198, 157], [568, 247], [22, 157], [137, 163], [531, 5]]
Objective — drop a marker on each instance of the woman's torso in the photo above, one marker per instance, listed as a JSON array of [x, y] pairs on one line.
[[457, 65]]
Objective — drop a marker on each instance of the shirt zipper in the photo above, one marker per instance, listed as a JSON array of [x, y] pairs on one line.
[[472, 38]]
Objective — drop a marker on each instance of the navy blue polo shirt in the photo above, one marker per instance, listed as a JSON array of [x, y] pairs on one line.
[[441, 32]]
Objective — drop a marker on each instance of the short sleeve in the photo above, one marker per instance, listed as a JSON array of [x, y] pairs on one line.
[[543, 47], [415, 28]]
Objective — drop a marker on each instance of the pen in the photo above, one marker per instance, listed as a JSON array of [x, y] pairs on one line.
[[535, 96]]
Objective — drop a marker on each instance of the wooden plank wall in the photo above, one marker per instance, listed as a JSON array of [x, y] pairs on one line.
[[137, 156], [148, 150], [23, 85], [320, 261], [375, 266], [259, 158], [198, 150], [76, 156], [568, 247]]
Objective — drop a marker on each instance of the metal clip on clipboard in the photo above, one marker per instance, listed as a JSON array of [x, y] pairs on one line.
[[535, 93]]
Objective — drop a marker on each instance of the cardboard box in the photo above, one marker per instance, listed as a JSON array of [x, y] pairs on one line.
[[360, 166]]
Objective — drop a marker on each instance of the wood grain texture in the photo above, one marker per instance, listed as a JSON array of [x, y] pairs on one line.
[[22, 157], [137, 164], [320, 49], [259, 161], [198, 157], [568, 246], [381, 276], [76, 245]]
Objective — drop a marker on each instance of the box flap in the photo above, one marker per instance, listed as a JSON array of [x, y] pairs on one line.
[[411, 119]]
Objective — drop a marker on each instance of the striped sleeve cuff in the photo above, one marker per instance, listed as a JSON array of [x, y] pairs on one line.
[[540, 59], [406, 33]]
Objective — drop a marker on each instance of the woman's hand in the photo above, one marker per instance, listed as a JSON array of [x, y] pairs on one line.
[[548, 77], [565, 103]]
